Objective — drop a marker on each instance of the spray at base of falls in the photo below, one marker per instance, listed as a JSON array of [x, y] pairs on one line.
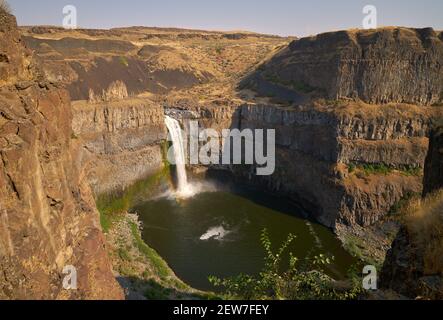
[[184, 189]]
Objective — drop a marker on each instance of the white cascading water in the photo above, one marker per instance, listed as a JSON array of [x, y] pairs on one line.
[[184, 189]]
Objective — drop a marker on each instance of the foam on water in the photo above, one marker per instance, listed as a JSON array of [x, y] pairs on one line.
[[216, 233]]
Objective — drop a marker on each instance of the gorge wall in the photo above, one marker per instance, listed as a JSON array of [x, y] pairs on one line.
[[433, 179], [317, 146], [119, 142], [48, 218], [414, 266], [345, 161], [399, 65]]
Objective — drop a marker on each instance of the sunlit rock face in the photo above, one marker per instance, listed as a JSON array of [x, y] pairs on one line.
[[119, 142], [317, 145], [48, 218], [378, 66]]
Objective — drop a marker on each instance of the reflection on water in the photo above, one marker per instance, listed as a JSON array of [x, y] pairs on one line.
[[218, 233]]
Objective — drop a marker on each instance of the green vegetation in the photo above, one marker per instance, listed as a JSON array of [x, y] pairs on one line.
[[157, 291], [399, 207], [124, 61], [124, 254], [147, 273], [424, 221], [112, 206], [161, 268], [219, 49], [378, 168], [302, 87], [303, 280], [74, 136], [298, 86], [351, 167], [356, 247], [365, 170]]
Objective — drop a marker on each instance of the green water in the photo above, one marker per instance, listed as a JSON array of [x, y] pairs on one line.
[[218, 233]]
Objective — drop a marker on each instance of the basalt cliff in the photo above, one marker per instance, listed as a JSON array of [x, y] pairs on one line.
[[48, 219], [413, 266]]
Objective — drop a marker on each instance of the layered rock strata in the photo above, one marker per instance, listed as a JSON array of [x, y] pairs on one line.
[[48, 219]]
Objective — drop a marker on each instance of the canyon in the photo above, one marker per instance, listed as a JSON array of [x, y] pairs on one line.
[[353, 112]]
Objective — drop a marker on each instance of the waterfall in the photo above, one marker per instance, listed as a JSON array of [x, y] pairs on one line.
[[183, 188]]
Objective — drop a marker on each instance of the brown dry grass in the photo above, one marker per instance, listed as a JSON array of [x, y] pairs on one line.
[[424, 220], [4, 7]]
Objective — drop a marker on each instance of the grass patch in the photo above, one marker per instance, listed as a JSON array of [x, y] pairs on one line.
[[159, 264], [302, 87], [355, 246], [382, 169], [298, 86], [124, 254], [370, 169], [424, 220], [157, 292], [112, 206], [398, 207], [124, 61]]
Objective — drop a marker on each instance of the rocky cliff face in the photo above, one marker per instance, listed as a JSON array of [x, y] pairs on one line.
[[377, 66], [118, 142], [410, 268], [48, 218], [434, 162], [404, 270], [317, 145]]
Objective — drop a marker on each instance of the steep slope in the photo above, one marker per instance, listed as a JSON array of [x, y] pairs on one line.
[[433, 179], [399, 65], [147, 60], [324, 155], [48, 218], [414, 265]]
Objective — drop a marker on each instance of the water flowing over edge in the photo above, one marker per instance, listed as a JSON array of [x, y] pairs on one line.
[[184, 188]]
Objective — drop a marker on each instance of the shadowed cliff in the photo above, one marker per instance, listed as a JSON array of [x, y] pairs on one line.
[[401, 65], [48, 218]]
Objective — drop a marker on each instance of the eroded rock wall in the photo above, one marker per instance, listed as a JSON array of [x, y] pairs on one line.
[[48, 218], [119, 142], [433, 179], [317, 144], [409, 267], [377, 66]]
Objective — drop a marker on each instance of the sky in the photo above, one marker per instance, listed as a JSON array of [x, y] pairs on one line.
[[280, 17]]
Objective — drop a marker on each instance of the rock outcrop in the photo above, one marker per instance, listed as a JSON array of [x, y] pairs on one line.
[[412, 264], [317, 146], [404, 270], [48, 219], [399, 65], [116, 91], [434, 162], [118, 142]]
